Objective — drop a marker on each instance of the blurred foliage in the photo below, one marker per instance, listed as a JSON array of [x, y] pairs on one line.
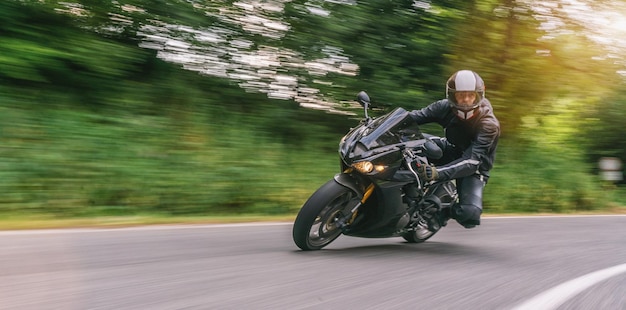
[[43, 53], [526, 65], [398, 46], [198, 154], [91, 124], [604, 130], [529, 177]]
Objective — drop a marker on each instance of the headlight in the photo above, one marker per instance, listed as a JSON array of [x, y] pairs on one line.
[[367, 167], [379, 168], [363, 166]]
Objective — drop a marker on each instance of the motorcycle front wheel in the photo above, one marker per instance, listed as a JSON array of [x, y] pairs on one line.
[[315, 226]]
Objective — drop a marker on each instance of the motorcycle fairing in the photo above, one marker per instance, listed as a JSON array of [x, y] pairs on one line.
[[380, 218]]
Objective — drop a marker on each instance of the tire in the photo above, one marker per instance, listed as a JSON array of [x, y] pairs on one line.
[[314, 227]]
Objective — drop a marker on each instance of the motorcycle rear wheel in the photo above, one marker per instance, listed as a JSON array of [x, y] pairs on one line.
[[315, 226]]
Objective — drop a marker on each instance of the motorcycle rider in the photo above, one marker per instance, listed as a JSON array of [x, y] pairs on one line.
[[469, 147]]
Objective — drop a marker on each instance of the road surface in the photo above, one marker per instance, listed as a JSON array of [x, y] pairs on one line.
[[506, 263]]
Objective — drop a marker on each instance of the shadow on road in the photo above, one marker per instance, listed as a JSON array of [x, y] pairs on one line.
[[441, 251], [430, 248]]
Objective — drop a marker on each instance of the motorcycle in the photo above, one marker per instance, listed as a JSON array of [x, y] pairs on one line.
[[379, 192]]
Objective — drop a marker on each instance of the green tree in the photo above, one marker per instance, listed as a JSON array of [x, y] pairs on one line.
[[527, 61], [399, 46], [44, 50]]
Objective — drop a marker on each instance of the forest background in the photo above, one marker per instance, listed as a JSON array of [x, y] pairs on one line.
[[171, 110]]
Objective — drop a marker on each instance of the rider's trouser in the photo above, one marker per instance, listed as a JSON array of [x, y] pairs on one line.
[[467, 212], [470, 189]]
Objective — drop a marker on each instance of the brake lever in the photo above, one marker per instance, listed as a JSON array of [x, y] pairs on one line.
[[411, 157]]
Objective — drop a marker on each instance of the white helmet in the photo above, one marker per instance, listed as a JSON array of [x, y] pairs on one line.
[[465, 80]]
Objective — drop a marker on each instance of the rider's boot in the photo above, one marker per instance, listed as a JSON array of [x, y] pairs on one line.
[[468, 217]]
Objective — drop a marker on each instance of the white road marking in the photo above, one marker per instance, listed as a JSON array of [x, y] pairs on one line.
[[556, 296]]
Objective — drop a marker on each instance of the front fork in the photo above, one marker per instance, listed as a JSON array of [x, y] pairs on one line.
[[347, 180]]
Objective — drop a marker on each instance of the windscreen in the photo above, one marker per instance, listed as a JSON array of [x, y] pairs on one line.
[[396, 127]]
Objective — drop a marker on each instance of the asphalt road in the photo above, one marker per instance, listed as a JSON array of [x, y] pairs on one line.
[[506, 263]]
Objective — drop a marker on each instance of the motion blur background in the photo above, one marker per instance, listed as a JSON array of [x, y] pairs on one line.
[[170, 108]]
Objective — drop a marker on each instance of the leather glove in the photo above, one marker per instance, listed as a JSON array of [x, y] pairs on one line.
[[427, 173]]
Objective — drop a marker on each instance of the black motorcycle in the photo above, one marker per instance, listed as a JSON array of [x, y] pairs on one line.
[[379, 192]]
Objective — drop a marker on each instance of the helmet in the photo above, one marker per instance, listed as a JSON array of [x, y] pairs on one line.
[[465, 80]]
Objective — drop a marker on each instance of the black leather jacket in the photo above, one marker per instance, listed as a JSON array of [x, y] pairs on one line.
[[474, 141]]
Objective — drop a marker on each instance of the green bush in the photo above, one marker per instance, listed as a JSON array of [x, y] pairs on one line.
[[532, 179], [68, 161]]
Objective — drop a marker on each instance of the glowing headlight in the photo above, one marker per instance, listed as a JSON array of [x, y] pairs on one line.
[[363, 166], [367, 167], [379, 168]]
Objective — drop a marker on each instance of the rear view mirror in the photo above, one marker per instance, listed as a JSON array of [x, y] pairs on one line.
[[363, 99]]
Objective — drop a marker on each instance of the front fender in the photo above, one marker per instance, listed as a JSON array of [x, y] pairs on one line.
[[349, 181]]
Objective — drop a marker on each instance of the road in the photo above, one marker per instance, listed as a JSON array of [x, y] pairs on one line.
[[502, 264]]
